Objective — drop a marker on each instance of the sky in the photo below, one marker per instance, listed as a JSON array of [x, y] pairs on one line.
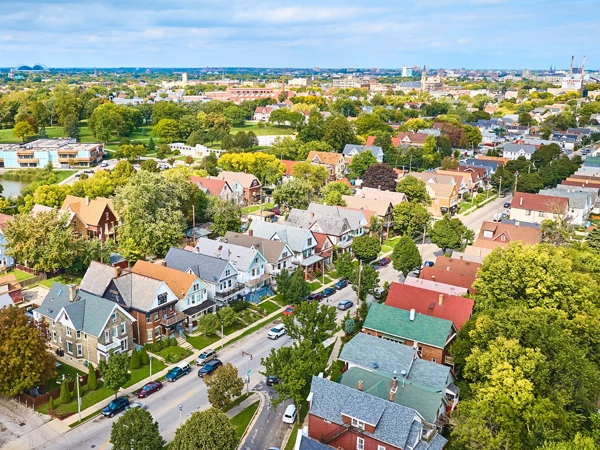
[[502, 34]]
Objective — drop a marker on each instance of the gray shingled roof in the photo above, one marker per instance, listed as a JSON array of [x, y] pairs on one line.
[[294, 237], [356, 219], [530, 149], [87, 312], [329, 224], [307, 443], [374, 149], [97, 278], [578, 200], [241, 257], [271, 250], [208, 268], [138, 291], [369, 409], [365, 350], [330, 399]]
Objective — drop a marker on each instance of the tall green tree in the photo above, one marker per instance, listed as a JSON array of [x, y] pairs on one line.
[[294, 287], [20, 335], [115, 373], [344, 265], [92, 381], [361, 162], [294, 194], [136, 430], [206, 430], [410, 218], [315, 174], [406, 256], [593, 239], [65, 393], [208, 324], [167, 131], [338, 133], [449, 234], [226, 215], [224, 386], [364, 280], [311, 322], [414, 189], [366, 248]]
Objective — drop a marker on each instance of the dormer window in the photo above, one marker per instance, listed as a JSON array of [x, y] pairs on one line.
[[358, 423], [162, 298]]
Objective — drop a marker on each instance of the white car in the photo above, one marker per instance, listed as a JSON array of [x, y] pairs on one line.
[[135, 405], [104, 164], [276, 332], [289, 416]]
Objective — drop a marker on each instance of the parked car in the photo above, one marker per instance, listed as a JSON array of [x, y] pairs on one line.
[[149, 388], [209, 368], [289, 310], [88, 171], [378, 292], [507, 205], [344, 305], [181, 369], [385, 261], [77, 175], [428, 264], [314, 297], [276, 332], [276, 211], [116, 406], [271, 380], [206, 356], [289, 416], [328, 291], [136, 405], [104, 164], [341, 284]]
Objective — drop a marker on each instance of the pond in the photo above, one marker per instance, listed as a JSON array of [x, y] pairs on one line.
[[12, 188]]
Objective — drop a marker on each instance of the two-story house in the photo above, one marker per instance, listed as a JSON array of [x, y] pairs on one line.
[[500, 234], [83, 325], [346, 417], [189, 289], [278, 254], [301, 240], [513, 151], [249, 263], [250, 186], [536, 208], [356, 219], [429, 335], [333, 162], [5, 260], [214, 186], [580, 204], [99, 216], [335, 227], [351, 150], [219, 275]]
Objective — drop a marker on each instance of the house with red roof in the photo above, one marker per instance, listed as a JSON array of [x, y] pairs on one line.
[[536, 208], [447, 277], [213, 186], [436, 304], [288, 167], [410, 138], [499, 234], [457, 265]]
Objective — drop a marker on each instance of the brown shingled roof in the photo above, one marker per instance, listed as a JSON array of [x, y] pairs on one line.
[[90, 211], [329, 158], [179, 282], [537, 202], [457, 265], [505, 233], [447, 277]]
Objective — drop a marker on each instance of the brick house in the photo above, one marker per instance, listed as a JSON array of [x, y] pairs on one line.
[[429, 335], [86, 327], [333, 162], [99, 217], [213, 186], [347, 418]]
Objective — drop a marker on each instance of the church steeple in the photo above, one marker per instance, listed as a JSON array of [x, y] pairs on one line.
[[423, 79]]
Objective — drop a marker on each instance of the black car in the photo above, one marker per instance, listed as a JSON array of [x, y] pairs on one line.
[[117, 405], [271, 380], [312, 297], [209, 368], [507, 205]]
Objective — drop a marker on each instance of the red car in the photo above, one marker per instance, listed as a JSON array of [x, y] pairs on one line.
[[384, 261], [149, 388], [289, 310]]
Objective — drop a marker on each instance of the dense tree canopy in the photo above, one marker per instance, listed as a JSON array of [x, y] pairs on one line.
[[136, 430], [206, 430]]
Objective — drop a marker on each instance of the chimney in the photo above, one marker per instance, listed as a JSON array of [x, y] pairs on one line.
[[72, 292], [360, 385], [433, 277], [521, 201], [118, 271], [412, 315], [394, 382], [461, 257], [312, 215], [448, 269], [87, 201], [441, 299], [250, 232]]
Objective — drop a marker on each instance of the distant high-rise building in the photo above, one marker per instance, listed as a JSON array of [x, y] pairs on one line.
[[184, 78], [407, 72]]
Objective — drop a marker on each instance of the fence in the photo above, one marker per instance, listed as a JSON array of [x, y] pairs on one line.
[[34, 280], [36, 402]]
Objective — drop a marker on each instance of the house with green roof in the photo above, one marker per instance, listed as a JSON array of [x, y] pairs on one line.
[[429, 336], [85, 326]]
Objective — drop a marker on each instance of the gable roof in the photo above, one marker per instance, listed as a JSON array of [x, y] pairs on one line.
[[328, 224], [392, 358], [271, 250], [435, 286], [288, 166], [213, 186], [396, 322], [447, 277], [577, 199], [356, 219], [537, 202], [516, 148], [97, 278], [239, 256], [511, 233], [293, 236], [409, 136], [178, 281], [424, 301], [138, 291], [90, 211], [457, 265], [380, 207], [374, 149], [208, 268], [328, 158], [244, 179], [377, 194]]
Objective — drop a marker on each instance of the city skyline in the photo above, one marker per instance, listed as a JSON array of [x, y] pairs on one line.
[[479, 34]]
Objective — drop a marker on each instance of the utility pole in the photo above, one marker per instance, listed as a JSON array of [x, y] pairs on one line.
[[78, 399], [358, 293], [423, 244], [194, 223]]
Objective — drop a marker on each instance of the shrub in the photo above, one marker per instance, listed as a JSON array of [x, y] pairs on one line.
[[239, 305], [51, 404], [144, 358], [336, 369], [92, 382], [65, 394], [173, 342], [134, 361]]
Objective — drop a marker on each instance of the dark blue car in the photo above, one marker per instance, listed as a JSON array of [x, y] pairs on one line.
[[117, 405], [328, 291], [209, 368], [341, 284]]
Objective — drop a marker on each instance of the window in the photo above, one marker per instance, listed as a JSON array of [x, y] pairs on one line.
[[542, 214], [227, 272], [68, 331], [78, 334], [148, 318], [149, 334], [229, 283], [503, 238], [360, 443], [106, 336], [253, 272], [309, 241], [156, 316], [380, 447], [433, 360], [107, 216], [115, 332], [157, 332], [53, 323], [114, 316], [196, 287], [69, 348], [79, 350], [420, 351], [162, 298], [358, 423], [85, 335], [54, 336], [123, 328], [528, 212], [488, 234], [256, 260]]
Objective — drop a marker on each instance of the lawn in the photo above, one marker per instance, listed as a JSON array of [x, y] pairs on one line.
[[63, 369], [201, 341], [88, 398], [292, 440], [63, 174], [173, 354], [249, 209], [237, 325], [385, 249], [242, 420], [269, 130], [268, 306], [314, 285], [333, 274], [143, 372], [237, 401], [63, 279], [21, 275], [279, 300]]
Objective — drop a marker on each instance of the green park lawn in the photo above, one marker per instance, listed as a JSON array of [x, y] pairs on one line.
[[269, 130]]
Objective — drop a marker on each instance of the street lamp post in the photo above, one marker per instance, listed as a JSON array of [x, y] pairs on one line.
[[180, 411], [150, 367]]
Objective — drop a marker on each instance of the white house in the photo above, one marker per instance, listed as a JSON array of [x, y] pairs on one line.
[[513, 151]]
